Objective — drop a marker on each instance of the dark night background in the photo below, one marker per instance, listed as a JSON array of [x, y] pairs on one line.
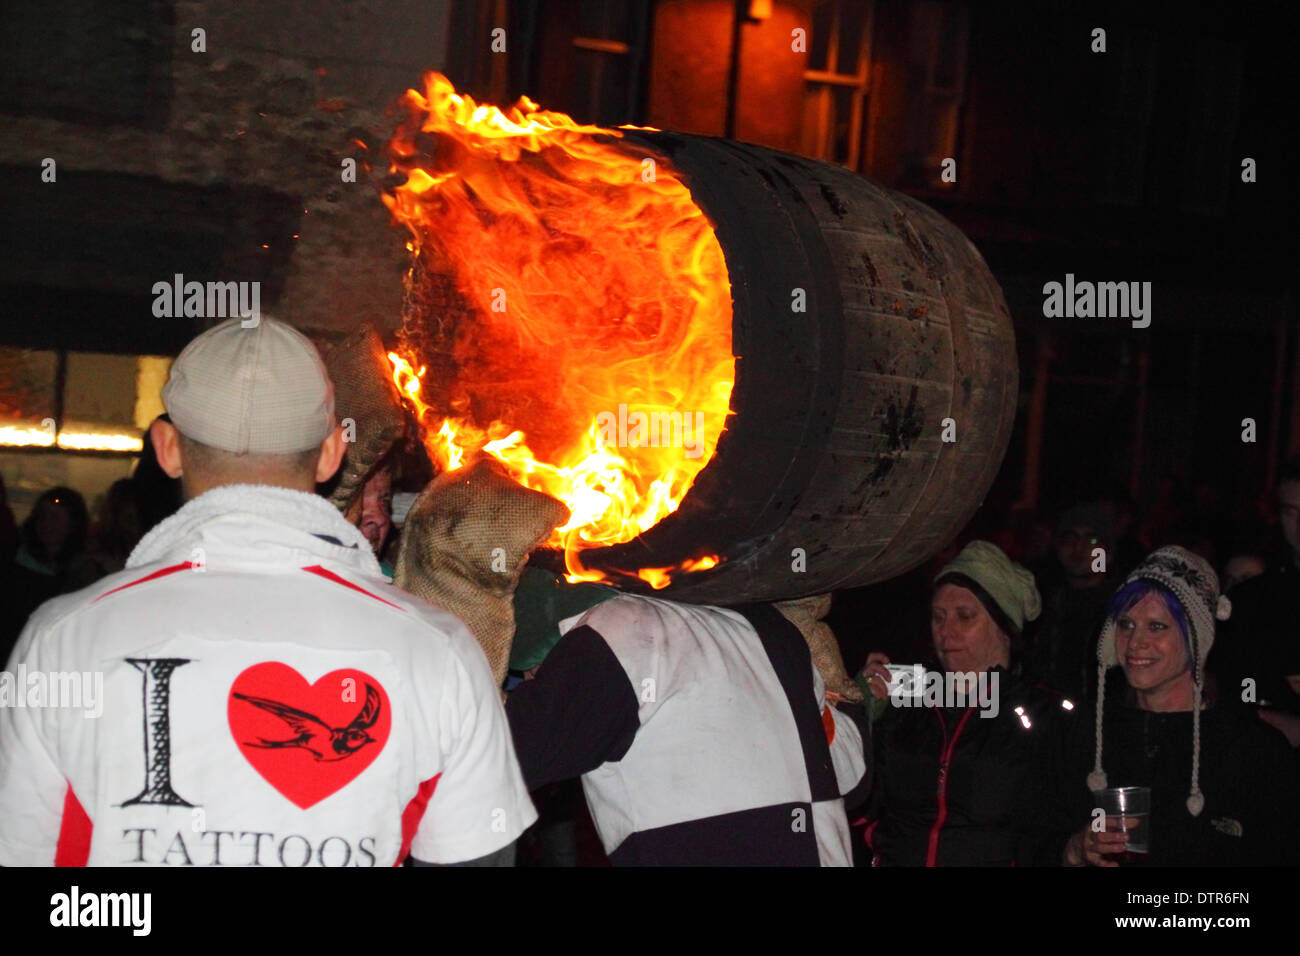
[[1122, 166]]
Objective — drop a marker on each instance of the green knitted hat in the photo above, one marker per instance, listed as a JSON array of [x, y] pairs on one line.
[[1010, 585]]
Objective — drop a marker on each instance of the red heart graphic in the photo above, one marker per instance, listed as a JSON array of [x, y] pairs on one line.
[[308, 740]]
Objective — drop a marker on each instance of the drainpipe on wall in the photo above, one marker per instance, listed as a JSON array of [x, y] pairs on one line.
[[1034, 428], [1139, 424], [1275, 406], [738, 15]]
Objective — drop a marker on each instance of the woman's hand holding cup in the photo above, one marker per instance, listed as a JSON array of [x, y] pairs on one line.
[[1091, 847]]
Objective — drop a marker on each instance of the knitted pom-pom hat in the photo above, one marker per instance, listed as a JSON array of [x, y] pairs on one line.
[[1189, 578]]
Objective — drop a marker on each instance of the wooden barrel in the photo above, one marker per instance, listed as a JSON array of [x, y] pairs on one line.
[[834, 470]]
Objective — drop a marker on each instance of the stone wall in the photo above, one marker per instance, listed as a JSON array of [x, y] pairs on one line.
[[269, 110]]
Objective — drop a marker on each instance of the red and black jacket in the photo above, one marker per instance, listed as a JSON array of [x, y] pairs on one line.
[[955, 788]]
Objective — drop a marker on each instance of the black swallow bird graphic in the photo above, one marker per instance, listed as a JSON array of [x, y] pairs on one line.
[[313, 734]]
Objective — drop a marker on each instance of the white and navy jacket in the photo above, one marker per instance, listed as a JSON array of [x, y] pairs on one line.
[[264, 698], [701, 734]]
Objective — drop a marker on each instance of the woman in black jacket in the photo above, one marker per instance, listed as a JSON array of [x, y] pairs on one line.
[[962, 782], [1224, 787]]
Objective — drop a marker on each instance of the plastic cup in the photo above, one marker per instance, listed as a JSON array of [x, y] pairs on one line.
[[1129, 809]]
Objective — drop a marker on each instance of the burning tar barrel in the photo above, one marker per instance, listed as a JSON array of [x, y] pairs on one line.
[[837, 355]]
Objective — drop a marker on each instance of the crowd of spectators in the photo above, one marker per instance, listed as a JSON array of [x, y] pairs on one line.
[[1050, 589]]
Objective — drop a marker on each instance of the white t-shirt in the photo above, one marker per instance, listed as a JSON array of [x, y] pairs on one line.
[[252, 694]]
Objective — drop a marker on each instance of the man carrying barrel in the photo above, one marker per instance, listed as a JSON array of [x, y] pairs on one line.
[[702, 736]]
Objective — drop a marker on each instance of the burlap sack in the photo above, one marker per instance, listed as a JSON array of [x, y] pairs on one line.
[[465, 543], [364, 392], [806, 614]]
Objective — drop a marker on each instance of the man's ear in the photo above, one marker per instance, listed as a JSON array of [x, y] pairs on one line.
[[331, 455], [166, 447]]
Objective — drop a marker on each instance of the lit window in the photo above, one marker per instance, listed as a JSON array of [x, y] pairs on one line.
[[73, 418], [835, 94]]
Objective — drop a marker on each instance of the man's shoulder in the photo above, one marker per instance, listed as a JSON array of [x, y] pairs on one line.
[[63, 607], [615, 615], [431, 618], [407, 613], [392, 614], [622, 604], [642, 620], [64, 611], [1279, 582]]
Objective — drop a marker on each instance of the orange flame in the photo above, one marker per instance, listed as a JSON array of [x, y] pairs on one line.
[[595, 357], [408, 382], [659, 578]]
